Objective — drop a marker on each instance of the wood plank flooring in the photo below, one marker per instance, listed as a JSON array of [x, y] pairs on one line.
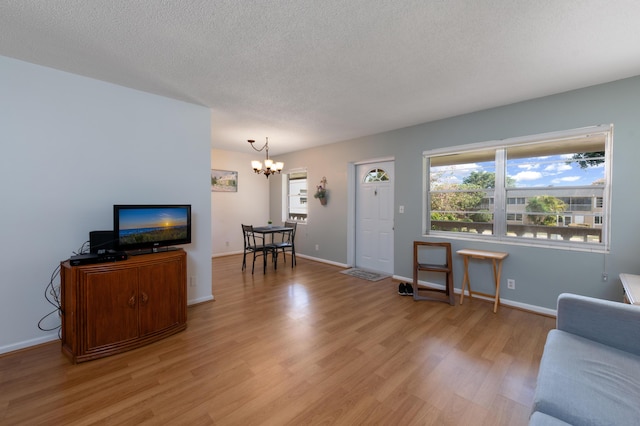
[[293, 347]]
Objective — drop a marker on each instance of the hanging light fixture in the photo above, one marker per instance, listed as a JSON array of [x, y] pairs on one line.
[[270, 166]]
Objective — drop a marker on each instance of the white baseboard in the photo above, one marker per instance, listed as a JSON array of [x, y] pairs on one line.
[[303, 256], [503, 301], [200, 300], [226, 254], [28, 343], [328, 262], [54, 336], [524, 306]]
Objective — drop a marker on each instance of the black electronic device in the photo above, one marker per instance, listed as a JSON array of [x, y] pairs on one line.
[[101, 241], [150, 228], [84, 259], [100, 257]]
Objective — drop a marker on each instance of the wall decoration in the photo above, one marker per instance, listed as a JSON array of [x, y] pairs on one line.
[[224, 181], [321, 191]]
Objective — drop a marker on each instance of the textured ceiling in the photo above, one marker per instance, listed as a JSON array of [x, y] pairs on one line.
[[311, 72]]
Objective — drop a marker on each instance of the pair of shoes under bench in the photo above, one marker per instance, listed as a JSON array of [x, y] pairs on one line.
[[405, 289]]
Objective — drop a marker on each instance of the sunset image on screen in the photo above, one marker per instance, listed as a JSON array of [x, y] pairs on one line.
[[141, 225]]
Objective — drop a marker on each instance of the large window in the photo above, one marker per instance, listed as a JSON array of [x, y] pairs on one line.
[[296, 196], [550, 189]]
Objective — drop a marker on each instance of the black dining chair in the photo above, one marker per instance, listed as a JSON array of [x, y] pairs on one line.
[[288, 243], [254, 243]]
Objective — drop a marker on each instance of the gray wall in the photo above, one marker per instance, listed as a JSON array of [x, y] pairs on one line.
[[540, 273], [71, 148]]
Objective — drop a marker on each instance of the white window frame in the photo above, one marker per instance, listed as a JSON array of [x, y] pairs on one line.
[[500, 194], [286, 197]]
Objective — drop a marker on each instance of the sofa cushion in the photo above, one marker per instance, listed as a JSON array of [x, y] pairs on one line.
[[541, 419], [582, 382]]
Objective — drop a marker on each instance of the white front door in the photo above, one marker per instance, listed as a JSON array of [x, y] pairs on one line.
[[374, 216]]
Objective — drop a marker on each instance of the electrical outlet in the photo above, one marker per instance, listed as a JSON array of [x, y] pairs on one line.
[[401, 209], [511, 284], [317, 247], [605, 276], [192, 281]]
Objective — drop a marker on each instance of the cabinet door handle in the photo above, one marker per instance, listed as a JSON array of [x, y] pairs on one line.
[[145, 297], [132, 301]]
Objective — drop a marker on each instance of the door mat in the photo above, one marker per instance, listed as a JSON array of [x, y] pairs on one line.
[[365, 275]]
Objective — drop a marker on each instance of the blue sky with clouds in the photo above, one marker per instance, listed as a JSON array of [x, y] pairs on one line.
[[555, 170]]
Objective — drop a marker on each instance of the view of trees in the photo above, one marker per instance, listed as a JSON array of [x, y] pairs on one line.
[[588, 159], [455, 205], [459, 199], [545, 204], [463, 202]]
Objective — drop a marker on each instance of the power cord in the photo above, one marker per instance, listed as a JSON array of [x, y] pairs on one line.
[[52, 294], [83, 248]]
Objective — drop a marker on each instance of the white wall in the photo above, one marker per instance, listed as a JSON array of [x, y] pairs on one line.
[[71, 147], [229, 210]]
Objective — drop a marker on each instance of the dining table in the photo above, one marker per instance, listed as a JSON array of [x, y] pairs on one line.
[[271, 230]]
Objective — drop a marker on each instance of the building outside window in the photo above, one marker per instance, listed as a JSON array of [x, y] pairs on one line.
[[296, 196], [550, 189]]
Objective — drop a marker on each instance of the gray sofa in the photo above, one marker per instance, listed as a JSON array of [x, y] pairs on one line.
[[590, 369]]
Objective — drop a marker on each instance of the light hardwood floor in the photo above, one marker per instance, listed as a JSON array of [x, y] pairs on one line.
[[296, 346]]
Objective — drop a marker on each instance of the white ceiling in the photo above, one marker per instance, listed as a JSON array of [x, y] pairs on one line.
[[311, 72]]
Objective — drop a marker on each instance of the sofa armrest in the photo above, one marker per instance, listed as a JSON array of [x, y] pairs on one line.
[[613, 324]]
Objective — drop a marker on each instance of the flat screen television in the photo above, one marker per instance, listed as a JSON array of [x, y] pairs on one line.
[[149, 228]]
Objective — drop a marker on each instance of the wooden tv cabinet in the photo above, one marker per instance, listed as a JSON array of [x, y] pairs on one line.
[[109, 308]]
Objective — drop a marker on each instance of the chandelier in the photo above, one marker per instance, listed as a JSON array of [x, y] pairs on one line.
[[270, 166]]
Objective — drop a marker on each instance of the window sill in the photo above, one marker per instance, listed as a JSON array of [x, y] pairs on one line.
[[515, 241]]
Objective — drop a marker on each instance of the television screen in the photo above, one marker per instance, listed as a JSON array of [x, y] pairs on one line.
[[151, 226]]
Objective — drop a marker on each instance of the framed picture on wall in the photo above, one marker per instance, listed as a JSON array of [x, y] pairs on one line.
[[224, 181]]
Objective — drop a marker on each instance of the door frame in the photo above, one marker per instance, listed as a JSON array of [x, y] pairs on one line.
[[351, 205]]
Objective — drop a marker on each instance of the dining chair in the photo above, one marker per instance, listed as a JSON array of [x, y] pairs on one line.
[[433, 257], [258, 248], [288, 243]]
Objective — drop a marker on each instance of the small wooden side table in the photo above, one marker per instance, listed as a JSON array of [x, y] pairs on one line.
[[631, 284], [496, 260]]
